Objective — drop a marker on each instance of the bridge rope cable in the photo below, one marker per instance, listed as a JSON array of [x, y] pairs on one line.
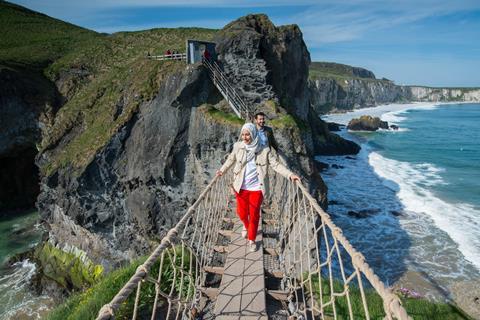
[[321, 273]]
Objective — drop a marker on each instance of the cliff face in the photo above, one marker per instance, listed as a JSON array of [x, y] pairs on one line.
[[339, 88], [138, 185], [141, 182], [444, 94], [27, 99], [342, 95]]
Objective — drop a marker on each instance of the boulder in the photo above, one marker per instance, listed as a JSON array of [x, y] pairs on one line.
[[364, 213], [394, 127], [367, 123]]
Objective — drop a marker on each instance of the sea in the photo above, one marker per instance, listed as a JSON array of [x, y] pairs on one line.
[[410, 200], [17, 299]]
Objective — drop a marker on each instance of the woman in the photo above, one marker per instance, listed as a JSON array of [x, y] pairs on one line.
[[251, 161]]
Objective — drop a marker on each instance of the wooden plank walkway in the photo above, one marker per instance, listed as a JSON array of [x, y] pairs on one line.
[[242, 289]]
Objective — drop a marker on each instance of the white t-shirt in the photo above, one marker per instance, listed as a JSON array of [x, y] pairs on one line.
[[251, 181], [263, 137]]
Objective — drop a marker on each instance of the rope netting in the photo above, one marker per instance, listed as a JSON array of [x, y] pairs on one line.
[[323, 276], [169, 284]]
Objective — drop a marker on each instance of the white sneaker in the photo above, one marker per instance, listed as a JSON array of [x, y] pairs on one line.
[[252, 246], [244, 233]]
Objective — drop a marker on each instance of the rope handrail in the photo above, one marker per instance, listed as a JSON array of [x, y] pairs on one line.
[[359, 260], [108, 310], [311, 250], [318, 264]]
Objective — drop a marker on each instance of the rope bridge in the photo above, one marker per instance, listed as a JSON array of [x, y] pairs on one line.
[[317, 273]]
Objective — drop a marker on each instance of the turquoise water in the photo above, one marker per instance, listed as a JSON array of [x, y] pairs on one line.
[[421, 188], [447, 137], [17, 234], [17, 301]]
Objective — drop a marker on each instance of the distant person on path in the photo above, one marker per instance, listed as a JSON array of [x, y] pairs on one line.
[[206, 55], [251, 162], [265, 133], [168, 53]]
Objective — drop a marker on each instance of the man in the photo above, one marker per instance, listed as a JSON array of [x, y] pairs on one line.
[[265, 133]]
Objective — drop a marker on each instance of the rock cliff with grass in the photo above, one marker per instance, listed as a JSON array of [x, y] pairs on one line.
[[123, 144], [339, 88]]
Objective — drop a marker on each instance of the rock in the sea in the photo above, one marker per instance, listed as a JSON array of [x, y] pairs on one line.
[[365, 213], [396, 213], [367, 123], [321, 165], [393, 127], [332, 126]]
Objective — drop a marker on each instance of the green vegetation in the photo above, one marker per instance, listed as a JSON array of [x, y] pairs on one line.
[[119, 77], [288, 121], [338, 72], [104, 78], [71, 270], [221, 116], [417, 308], [86, 305], [42, 39], [123, 79]]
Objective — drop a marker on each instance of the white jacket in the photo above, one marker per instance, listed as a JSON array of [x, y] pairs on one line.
[[263, 160]]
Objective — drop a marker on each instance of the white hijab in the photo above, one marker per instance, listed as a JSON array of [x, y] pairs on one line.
[[255, 146]]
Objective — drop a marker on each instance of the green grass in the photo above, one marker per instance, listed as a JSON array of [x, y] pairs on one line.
[[418, 309], [73, 271], [34, 39], [86, 305], [336, 71], [288, 121], [222, 116], [117, 77]]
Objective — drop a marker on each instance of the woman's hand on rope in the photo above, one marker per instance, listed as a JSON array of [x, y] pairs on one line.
[[294, 178], [219, 173]]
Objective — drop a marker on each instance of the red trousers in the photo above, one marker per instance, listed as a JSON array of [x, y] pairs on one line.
[[248, 210]]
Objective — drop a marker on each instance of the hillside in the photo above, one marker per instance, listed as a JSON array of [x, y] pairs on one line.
[[338, 70], [34, 39], [338, 88]]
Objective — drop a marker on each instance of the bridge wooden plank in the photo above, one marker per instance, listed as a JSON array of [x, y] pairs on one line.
[[242, 290]]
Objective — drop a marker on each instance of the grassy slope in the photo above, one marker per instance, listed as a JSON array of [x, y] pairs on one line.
[[118, 74], [336, 71], [34, 39], [87, 304]]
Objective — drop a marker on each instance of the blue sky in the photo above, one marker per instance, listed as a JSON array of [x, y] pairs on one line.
[[428, 42]]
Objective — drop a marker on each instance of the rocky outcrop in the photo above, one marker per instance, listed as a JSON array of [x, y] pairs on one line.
[[355, 90], [266, 62], [27, 100], [367, 123], [141, 182], [333, 95], [419, 93]]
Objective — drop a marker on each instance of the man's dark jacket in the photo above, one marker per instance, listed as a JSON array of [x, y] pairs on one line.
[[272, 143]]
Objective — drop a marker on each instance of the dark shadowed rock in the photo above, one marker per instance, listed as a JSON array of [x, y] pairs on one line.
[[367, 123], [394, 127], [321, 165], [332, 126], [365, 213]]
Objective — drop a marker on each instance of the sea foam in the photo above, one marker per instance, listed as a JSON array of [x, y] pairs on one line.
[[459, 220]]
